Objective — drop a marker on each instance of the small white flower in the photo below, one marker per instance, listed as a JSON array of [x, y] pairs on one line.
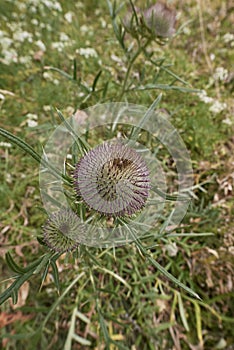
[[22, 35], [9, 56], [227, 121], [21, 6], [103, 23], [25, 60], [32, 123], [171, 249], [47, 76], [84, 29], [220, 74], [68, 16], [41, 45], [87, 52], [31, 116], [47, 108], [217, 107], [5, 144], [212, 56], [204, 98], [64, 37], [59, 46], [35, 22], [228, 37], [6, 42]]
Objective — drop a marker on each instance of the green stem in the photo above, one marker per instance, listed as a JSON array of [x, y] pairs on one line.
[[130, 64]]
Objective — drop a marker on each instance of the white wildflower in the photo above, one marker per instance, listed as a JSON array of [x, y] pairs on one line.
[[22, 35], [41, 45], [9, 56], [103, 23], [227, 121], [84, 29], [35, 22], [25, 60], [5, 144], [228, 38], [68, 16], [220, 74], [87, 52], [31, 116], [59, 46], [32, 123], [6, 42], [47, 76], [212, 56], [47, 108], [21, 6], [64, 37], [52, 5], [217, 107], [171, 249], [204, 98], [2, 34]]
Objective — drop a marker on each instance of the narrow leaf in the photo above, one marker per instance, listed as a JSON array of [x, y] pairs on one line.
[[12, 264], [96, 80], [55, 274], [182, 313]]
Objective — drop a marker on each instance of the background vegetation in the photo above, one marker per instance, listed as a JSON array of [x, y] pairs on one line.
[[136, 308]]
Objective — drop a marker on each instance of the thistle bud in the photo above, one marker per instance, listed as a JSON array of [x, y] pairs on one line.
[[61, 230], [160, 20]]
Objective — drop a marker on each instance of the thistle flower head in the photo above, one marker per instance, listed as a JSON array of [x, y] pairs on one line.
[[60, 231], [160, 20], [112, 179]]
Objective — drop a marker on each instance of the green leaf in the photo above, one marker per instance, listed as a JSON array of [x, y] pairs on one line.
[[64, 74], [55, 274], [74, 69], [96, 80], [44, 274], [136, 130], [14, 287], [163, 87], [83, 146], [198, 321], [182, 313], [110, 7], [12, 264]]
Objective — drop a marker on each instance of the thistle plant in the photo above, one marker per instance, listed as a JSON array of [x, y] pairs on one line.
[[110, 190]]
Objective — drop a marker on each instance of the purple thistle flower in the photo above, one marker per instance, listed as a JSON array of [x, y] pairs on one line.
[[60, 231], [112, 179], [160, 20]]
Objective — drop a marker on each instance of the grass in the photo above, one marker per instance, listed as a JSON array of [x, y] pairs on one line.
[[113, 299]]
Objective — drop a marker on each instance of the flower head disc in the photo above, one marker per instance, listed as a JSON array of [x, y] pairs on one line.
[[160, 20], [61, 230], [113, 179]]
